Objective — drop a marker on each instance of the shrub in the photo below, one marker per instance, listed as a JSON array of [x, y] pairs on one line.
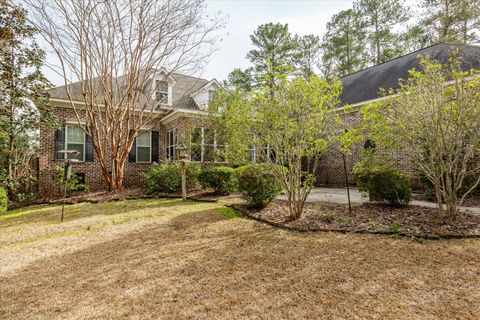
[[166, 177], [73, 183], [383, 182], [257, 184], [3, 200], [221, 179]]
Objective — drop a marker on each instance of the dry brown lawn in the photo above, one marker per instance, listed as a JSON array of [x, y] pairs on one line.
[[156, 259]]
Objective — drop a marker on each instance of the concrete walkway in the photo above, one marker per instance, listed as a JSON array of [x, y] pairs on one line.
[[339, 196]]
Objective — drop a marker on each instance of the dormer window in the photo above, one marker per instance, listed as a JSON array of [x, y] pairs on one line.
[[211, 95], [161, 91]]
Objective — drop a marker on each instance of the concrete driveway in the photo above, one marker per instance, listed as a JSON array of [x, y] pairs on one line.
[[339, 196]]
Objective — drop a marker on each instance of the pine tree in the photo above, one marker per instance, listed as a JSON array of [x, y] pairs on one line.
[[308, 54], [381, 17], [273, 53], [344, 44]]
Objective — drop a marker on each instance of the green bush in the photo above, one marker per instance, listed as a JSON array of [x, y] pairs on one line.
[[257, 184], [221, 179], [166, 177], [73, 183], [3, 200], [383, 182]]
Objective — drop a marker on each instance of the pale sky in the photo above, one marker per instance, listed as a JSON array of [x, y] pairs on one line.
[[242, 17]]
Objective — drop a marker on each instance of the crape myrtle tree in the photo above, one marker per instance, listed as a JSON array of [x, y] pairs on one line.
[[295, 125], [434, 119], [21, 84], [114, 49]]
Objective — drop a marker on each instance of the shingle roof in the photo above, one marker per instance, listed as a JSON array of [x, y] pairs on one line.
[[182, 89], [365, 85]]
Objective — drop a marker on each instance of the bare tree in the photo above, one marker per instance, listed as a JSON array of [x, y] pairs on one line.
[[113, 49]]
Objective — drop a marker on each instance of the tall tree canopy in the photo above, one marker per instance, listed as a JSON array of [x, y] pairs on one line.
[[240, 79], [381, 17], [308, 54], [452, 20], [344, 44], [21, 84], [273, 52]]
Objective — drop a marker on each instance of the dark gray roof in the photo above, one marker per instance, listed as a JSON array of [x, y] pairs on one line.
[[366, 84], [181, 92]]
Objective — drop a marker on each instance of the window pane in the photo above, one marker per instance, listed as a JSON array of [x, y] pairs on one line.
[[143, 154], [77, 147], [209, 136], [196, 152], [161, 91], [197, 135], [75, 134], [209, 155], [211, 94], [143, 139]]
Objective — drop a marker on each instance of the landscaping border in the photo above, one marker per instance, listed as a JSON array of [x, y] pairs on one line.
[[426, 236]]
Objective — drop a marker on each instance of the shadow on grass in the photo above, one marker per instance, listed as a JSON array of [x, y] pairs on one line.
[[51, 213], [205, 264]]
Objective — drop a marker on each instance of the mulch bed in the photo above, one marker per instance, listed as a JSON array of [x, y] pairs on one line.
[[470, 201], [376, 218]]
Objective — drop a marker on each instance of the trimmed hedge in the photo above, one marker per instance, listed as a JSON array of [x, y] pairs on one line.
[[257, 184], [166, 177], [3, 200], [221, 179], [383, 182]]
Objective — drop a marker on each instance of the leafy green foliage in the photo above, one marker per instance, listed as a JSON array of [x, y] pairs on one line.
[[166, 177], [383, 182], [344, 44], [381, 17], [274, 48], [221, 179], [73, 183], [21, 85], [436, 126], [3, 200], [258, 184], [240, 79]]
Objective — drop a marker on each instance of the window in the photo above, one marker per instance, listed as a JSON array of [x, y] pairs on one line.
[[171, 144], [144, 146], [211, 95], [161, 91], [204, 146], [75, 140]]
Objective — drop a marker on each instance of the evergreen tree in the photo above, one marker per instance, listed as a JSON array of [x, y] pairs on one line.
[[240, 79], [381, 17], [308, 54], [273, 53], [452, 20], [21, 83], [344, 44]]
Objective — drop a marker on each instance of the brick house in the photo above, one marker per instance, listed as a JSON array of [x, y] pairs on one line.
[[363, 87], [183, 99], [190, 96]]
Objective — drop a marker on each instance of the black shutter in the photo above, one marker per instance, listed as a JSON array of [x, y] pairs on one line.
[[132, 155], [59, 143], [89, 146], [155, 146]]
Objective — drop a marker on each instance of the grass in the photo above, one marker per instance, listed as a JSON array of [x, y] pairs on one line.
[[161, 258]]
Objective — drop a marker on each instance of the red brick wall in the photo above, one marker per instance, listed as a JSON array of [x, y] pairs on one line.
[[93, 174]]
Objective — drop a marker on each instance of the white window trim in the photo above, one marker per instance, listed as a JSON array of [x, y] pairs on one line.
[[202, 148], [149, 149], [66, 141], [168, 92]]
